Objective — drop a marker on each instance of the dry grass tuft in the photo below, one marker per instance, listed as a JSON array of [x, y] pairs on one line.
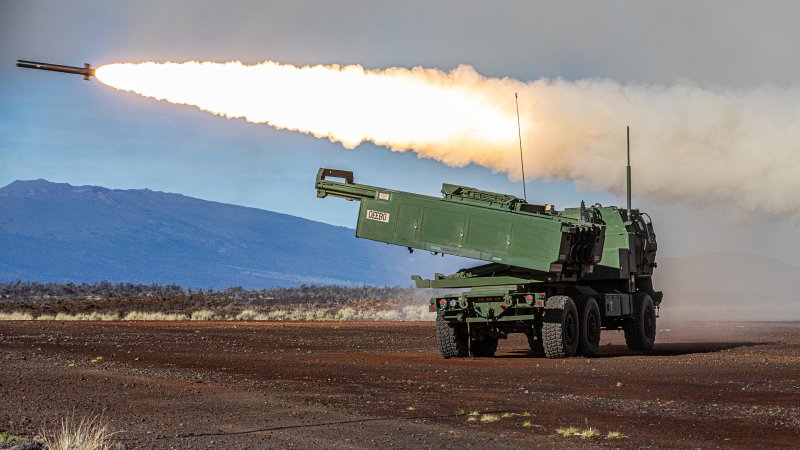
[[155, 316], [205, 315], [489, 418], [615, 435], [88, 434], [16, 316], [247, 314], [569, 431], [590, 433], [85, 316]]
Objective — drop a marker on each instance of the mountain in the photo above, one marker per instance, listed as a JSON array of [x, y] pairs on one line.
[[56, 232]]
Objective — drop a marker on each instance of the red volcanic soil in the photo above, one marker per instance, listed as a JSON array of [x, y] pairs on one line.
[[368, 385]]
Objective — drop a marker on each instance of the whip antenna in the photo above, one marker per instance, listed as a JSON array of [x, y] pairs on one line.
[[521, 163], [628, 177]]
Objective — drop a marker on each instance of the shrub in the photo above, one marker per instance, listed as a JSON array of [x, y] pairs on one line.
[[568, 432], [154, 316], [204, 315], [247, 314], [88, 434], [589, 433]]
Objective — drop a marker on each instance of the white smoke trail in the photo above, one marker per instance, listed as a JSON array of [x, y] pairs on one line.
[[735, 149]]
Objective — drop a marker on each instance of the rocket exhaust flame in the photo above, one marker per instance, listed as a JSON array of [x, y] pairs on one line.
[[736, 149], [401, 109]]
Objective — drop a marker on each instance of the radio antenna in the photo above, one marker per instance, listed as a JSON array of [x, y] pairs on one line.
[[521, 162], [628, 177]]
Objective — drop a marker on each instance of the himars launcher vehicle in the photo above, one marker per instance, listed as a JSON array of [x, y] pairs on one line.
[[557, 276]]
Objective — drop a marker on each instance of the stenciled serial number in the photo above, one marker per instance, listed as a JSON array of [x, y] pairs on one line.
[[377, 215]]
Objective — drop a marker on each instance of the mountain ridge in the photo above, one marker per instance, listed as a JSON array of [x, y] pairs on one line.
[[52, 230]]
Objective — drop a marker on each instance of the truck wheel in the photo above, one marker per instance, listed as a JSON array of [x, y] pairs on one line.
[[589, 314], [640, 331], [485, 348], [560, 331], [450, 343]]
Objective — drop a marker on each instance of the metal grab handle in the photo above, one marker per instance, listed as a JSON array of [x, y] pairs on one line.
[[335, 173]]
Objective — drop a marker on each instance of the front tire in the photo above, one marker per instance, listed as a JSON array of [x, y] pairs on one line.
[[640, 331], [560, 330], [589, 314], [449, 341]]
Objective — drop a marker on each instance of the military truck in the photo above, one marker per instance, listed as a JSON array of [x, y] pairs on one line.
[[559, 277]]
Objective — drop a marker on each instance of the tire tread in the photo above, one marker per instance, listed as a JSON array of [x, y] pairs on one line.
[[447, 339], [586, 348], [552, 328], [634, 328]]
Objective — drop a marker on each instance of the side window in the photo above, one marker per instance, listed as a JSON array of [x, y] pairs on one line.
[[651, 235], [640, 227], [645, 228]]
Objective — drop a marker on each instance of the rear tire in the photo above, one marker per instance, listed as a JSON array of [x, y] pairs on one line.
[[589, 314], [640, 331], [560, 330], [449, 341]]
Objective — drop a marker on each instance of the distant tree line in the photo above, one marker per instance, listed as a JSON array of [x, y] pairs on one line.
[[312, 294], [32, 291], [43, 292]]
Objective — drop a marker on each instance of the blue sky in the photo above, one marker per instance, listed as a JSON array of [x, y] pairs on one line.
[[64, 129]]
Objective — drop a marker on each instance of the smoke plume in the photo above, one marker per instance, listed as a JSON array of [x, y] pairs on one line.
[[732, 149]]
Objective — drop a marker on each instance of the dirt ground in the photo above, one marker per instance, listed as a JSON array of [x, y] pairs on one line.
[[368, 385]]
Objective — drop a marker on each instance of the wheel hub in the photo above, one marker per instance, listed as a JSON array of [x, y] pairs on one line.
[[591, 327], [570, 328], [649, 323]]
